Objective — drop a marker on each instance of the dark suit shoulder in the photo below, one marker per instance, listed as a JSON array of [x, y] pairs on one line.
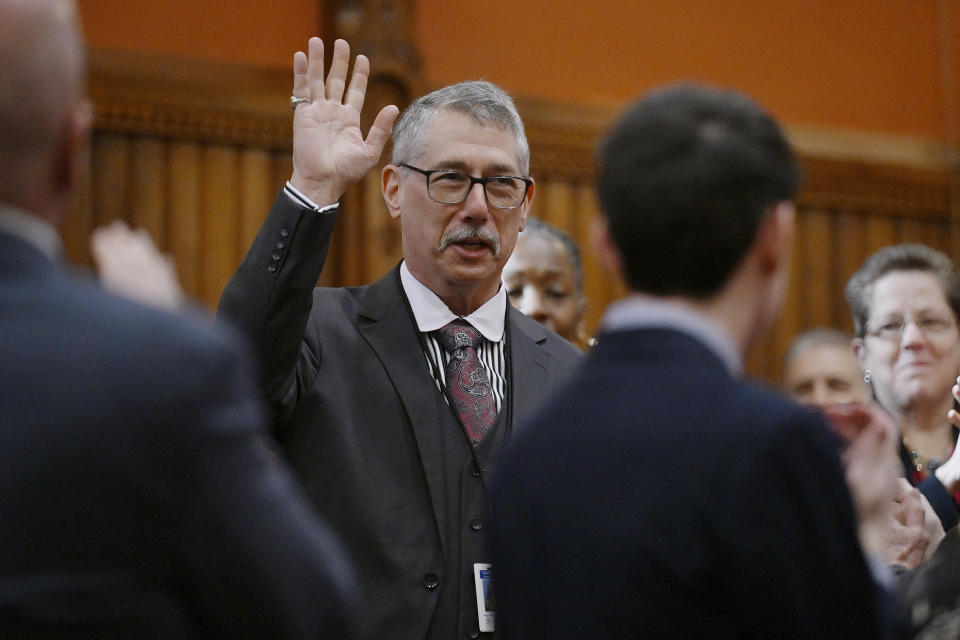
[[760, 412], [157, 330], [151, 359], [566, 353]]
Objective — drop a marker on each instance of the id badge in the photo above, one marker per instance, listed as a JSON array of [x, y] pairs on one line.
[[482, 574]]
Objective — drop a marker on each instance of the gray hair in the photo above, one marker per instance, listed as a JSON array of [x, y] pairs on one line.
[[483, 101], [816, 337], [901, 257]]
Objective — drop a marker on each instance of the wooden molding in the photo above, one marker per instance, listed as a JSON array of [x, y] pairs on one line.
[[857, 186], [383, 31], [153, 95], [170, 97]]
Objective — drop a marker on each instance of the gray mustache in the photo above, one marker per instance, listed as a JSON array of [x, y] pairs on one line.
[[471, 234]]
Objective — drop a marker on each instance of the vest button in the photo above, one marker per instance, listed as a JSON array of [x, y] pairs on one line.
[[473, 634], [431, 581], [476, 525], [474, 470]]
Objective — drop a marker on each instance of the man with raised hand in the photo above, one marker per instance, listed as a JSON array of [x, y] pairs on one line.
[[393, 398]]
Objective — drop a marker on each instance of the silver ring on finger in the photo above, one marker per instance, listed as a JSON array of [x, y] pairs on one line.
[[294, 101]]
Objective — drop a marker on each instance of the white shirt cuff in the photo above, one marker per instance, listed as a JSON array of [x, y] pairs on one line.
[[294, 194]]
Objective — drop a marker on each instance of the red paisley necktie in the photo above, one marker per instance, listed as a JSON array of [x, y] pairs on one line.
[[468, 383]]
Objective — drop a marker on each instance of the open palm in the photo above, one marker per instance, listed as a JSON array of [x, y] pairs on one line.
[[329, 150]]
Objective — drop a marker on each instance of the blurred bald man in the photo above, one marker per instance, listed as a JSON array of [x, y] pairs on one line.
[[821, 369], [137, 496]]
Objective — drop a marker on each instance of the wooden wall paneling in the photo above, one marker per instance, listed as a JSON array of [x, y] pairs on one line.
[[148, 193], [851, 250], [220, 218], [573, 222], [79, 219], [937, 235], [348, 250], [281, 167], [813, 264], [197, 152], [382, 231], [569, 207], [762, 358], [383, 31], [793, 317], [185, 99], [600, 287], [257, 193], [184, 230], [931, 232], [953, 206], [111, 178], [908, 230], [881, 232], [555, 202]]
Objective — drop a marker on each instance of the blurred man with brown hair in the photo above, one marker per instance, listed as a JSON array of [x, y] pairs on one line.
[[659, 494]]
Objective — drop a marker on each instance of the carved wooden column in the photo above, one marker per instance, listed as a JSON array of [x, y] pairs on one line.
[[368, 240]]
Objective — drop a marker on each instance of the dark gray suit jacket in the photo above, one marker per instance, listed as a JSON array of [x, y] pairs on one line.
[[362, 420], [137, 496]]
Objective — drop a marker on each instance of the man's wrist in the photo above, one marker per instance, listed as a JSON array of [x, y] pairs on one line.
[[300, 198], [321, 194]]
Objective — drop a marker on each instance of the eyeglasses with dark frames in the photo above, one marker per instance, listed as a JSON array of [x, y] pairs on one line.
[[445, 186], [893, 328]]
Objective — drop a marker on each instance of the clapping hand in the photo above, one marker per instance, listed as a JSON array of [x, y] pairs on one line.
[[329, 151], [949, 472], [130, 265]]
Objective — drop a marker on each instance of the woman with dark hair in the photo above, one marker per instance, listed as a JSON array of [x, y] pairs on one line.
[[544, 279], [905, 302]]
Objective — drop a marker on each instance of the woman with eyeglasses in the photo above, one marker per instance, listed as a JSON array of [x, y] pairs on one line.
[[905, 302]]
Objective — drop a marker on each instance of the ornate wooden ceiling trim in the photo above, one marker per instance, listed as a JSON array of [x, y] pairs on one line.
[[154, 95]]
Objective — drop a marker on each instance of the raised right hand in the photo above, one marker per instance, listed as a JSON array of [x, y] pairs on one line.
[[329, 151]]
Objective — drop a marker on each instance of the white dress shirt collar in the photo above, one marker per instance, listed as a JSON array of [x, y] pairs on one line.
[[31, 229], [642, 312], [431, 313]]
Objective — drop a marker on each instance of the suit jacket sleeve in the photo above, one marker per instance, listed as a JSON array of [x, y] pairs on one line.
[[805, 532], [257, 560], [270, 295]]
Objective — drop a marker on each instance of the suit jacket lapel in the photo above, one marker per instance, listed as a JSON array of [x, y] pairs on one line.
[[386, 324], [533, 369]]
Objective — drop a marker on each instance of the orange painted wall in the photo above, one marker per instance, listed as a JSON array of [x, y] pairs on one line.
[[246, 31], [874, 65], [864, 64]]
